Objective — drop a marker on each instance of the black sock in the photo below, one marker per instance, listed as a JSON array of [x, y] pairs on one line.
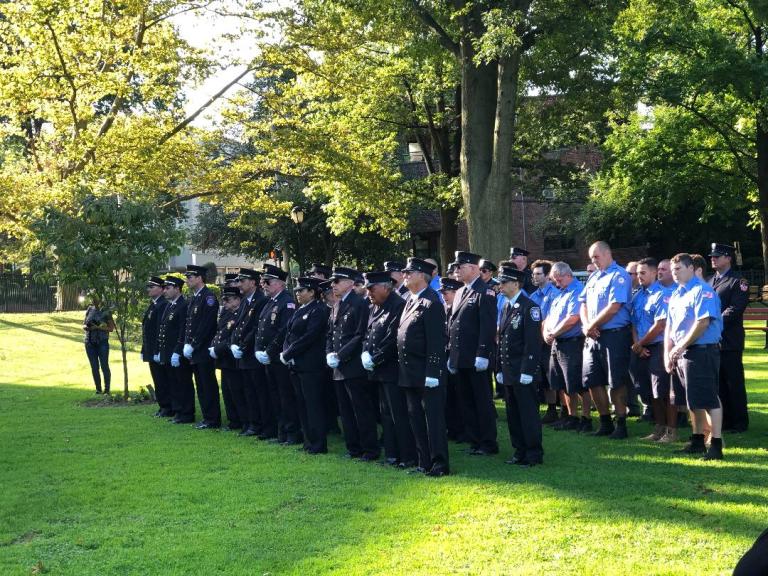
[[717, 442], [586, 419], [551, 406], [621, 420]]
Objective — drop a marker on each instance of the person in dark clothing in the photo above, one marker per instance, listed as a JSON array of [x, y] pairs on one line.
[[98, 324]]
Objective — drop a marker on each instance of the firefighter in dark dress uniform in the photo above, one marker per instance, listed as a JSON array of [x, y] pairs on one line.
[[150, 324], [733, 291], [519, 355], [200, 328], [220, 351], [177, 368], [421, 353]]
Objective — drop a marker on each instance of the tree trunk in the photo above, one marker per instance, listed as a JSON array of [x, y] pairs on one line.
[[124, 353], [66, 297], [762, 188], [448, 235]]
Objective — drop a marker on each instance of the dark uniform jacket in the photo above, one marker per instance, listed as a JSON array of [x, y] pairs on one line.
[[347, 325], [245, 329], [528, 284], [221, 341], [381, 338], [150, 324], [273, 323], [733, 291], [170, 330], [305, 338], [520, 340], [472, 329], [202, 314], [403, 291], [421, 339]]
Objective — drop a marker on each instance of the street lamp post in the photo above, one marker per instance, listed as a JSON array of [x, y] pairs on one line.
[[297, 215]]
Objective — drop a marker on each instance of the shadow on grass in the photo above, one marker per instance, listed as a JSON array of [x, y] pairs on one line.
[[71, 334]]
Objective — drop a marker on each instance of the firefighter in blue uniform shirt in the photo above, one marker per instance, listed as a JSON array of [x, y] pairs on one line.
[[543, 296], [279, 411], [304, 354], [691, 348], [605, 322], [169, 352], [202, 314], [733, 291], [472, 338], [379, 358], [150, 324], [421, 355], [221, 353], [519, 357], [347, 326]]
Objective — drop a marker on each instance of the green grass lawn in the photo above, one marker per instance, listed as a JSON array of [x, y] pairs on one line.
[[114, 491]]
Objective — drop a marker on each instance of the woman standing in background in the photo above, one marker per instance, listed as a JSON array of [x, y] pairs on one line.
[[98, 324]]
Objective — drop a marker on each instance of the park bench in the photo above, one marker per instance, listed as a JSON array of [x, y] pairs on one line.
[[757, 312]]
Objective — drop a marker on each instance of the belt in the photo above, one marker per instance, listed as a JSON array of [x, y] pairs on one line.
[[613, 329], [704, 346], [569, 339]]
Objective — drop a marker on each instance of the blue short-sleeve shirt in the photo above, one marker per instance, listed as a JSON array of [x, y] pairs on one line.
[[606, 287], [543, 298], [694, 301], [564, 304]]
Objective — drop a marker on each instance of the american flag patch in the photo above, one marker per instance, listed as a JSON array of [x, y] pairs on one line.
[[290, 305], [707, 294]]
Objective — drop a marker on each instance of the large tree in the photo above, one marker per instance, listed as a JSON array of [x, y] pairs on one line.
[[701, 65]]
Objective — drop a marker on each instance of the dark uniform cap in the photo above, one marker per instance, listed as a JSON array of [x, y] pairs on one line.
[[307, 282], [378, 278], [272, 271], [318, 268], [231, 277], [449, 284], [326, 285], [487, 265], [509, 273], [343, 273], [248, 274], [493, 282], [155, 281], [193, 270], [419, 265], [722, 250], [173, 281], [466, 258], [451, 268], [393, 266], [514, 251], [230, 292]]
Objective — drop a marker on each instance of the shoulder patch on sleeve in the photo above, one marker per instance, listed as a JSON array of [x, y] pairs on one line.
[[621, 280], [490, 292], [290, 306], [536, 314], [210, 300]]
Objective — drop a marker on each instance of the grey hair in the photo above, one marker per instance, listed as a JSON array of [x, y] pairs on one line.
[[561, 269]]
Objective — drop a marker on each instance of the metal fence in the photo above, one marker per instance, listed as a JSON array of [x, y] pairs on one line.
[[21, 293]]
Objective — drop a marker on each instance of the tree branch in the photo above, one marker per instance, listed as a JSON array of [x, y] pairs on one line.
[[443, 37], [191, 118], [749, 21], [73, 96]]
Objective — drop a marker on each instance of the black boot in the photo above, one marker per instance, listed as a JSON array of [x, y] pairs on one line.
[[621, 429], [606, 426], [715, 451], [551, 415], [694, 446], [585, 425]]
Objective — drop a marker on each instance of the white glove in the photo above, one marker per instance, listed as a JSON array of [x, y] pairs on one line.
[[141, 356], [431, 382], [451, 369], [236, 352], [175, 360], [212, 352], [156, 358], [332, 360], [499, 378], [367, 361], [283, 360], [526, 379], [188, 351], [262, 357], [481, 364]]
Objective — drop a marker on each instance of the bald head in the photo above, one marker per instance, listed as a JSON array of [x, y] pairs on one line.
[[600, 254]]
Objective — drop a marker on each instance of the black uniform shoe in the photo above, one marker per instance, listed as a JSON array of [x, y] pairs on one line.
[[248, 432], [158, 414], [208, 426], [694, 446], [369, 458], [417, 470], [437, 472], [409, 464], [715, 451], [178, 420], [620, 433], [351, 456], [515, 460], [550, 417], [606, 427]]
